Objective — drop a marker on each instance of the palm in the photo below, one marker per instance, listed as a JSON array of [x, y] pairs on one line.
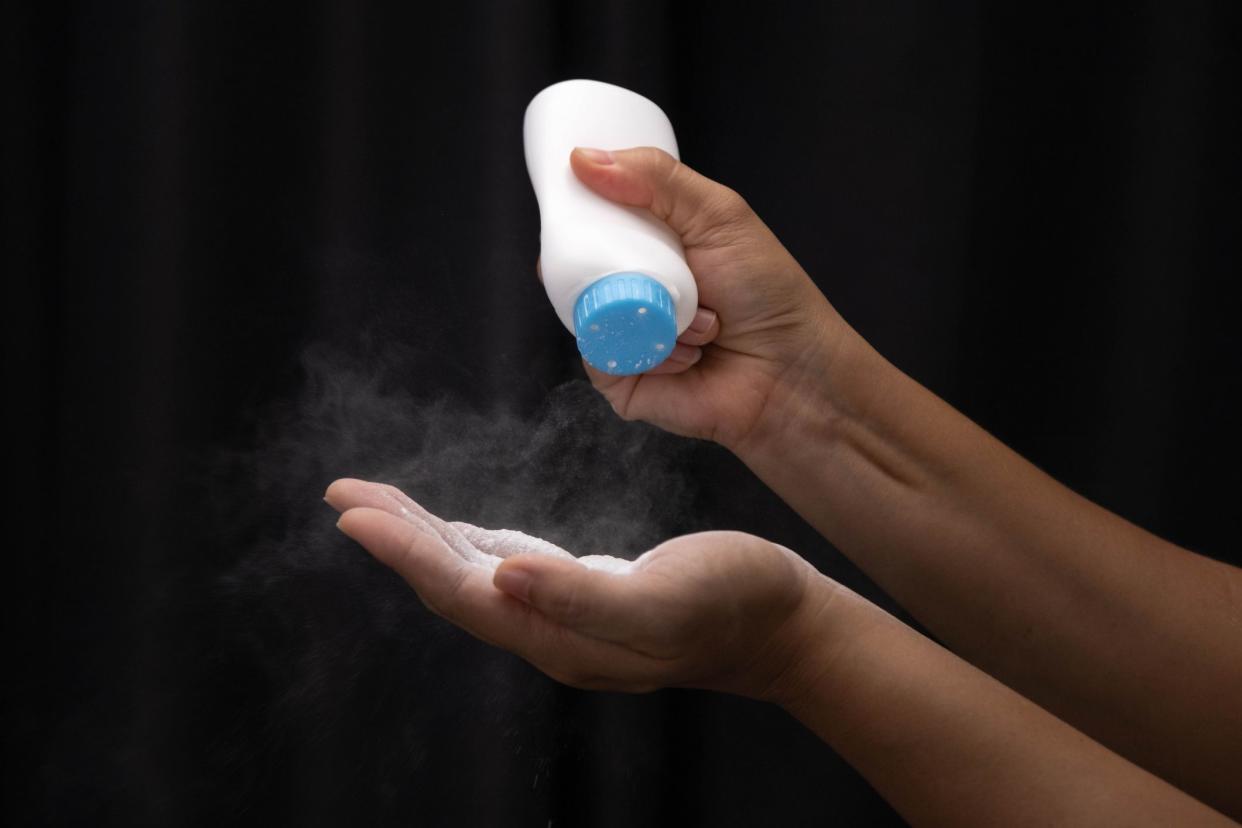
[[718, 594], [700, 610]]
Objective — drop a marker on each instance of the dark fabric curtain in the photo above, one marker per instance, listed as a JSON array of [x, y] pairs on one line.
[[251, 247]]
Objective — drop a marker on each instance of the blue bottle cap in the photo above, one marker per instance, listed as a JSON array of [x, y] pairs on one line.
[[625, 324]]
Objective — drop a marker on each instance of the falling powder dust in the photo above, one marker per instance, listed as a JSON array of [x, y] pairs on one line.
[[323, 644]]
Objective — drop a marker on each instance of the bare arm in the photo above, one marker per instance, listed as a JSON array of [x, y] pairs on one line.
[[1128, 638], [944, 743], [1133, 640]]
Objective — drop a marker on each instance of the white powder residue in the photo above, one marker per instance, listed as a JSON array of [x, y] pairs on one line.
[[488, 547], [606, 563], [495, 545], [427, 522], [505, 542]]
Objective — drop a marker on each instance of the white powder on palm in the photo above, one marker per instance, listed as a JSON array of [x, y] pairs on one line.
[[488, 547], [498, 544], [502, 543]]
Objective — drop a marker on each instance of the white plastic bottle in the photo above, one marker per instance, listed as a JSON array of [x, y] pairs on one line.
[[616, 275]]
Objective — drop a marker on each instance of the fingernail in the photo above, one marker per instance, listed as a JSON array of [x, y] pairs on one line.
[[515, 582], [596, 156], [703, 320]]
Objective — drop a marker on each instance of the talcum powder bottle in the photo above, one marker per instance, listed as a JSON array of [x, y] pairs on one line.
[[616, 275]]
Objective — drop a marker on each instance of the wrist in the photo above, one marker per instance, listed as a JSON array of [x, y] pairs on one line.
[[840, 658], [827, 379], [846, 437], [811, 641]]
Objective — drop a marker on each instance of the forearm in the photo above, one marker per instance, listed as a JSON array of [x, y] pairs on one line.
[[1129, 638], [947, 745]]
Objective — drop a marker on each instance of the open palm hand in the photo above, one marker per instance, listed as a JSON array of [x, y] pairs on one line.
[[719, 610]]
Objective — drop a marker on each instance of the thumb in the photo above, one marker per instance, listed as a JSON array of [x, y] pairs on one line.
[[602, 605], [694, 206]]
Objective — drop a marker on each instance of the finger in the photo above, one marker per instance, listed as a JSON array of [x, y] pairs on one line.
[[704, 328], [695, 207], [539, 269], [604, 605], [451, 587], [423, 559], [618, 390], [661, 390], [348, 493], [606, 382], [682, 357], [464, 594]]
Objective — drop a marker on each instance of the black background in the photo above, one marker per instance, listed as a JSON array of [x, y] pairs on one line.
[[241, 239]]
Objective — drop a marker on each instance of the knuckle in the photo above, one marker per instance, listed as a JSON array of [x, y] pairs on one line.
[[724, 216], [567, 605], [402, 564], [392, 491], [729, 206], [658, 160], [665, 175], [620, 409], [445, 600]]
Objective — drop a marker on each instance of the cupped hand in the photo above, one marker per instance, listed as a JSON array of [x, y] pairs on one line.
[[762, 329], [717, 610]]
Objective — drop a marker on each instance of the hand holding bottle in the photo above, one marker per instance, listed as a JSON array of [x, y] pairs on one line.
[[771, 327]]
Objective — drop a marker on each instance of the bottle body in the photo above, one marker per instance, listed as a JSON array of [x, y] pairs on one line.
[[616, 275]]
